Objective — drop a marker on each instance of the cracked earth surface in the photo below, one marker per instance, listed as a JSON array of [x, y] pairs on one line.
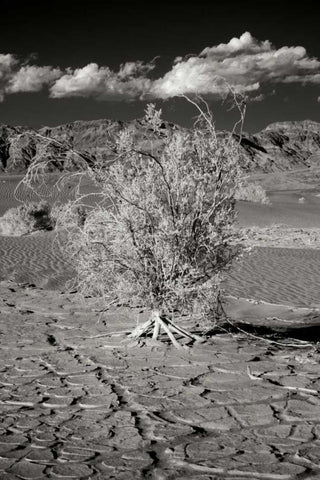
[[78, 400]]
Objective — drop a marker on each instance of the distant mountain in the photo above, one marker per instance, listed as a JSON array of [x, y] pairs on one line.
[[279, 147], [283, 146], [19, 146]]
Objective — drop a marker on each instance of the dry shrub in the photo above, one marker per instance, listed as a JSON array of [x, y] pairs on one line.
[[161, 236], [252, 192], [26, 218]]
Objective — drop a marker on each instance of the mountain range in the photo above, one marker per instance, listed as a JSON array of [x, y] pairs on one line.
[[281, 146]]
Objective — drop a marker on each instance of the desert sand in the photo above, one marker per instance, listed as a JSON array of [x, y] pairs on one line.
[[80, 400]]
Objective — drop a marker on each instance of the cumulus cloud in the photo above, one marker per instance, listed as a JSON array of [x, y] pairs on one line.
[[15, 78], [244, 63], [32, 78], [304, 79], [101, 82], [245, 44], [7, 63], [258, 98]]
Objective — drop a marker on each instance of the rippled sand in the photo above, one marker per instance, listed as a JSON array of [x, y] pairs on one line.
[[278, 275], [14, 193], [34, 259]]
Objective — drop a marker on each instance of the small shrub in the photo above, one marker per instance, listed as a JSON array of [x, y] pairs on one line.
[[26, 218], [252, 192]]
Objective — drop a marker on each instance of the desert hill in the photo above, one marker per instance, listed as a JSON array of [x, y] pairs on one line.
[[19, 146], [281, 146]]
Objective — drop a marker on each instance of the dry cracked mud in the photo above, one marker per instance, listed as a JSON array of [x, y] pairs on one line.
[[78, 400]]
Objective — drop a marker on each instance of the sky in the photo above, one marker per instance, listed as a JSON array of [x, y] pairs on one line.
[[72, 60]]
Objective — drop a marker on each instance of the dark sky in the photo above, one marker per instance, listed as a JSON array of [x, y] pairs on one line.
[[72, 33]]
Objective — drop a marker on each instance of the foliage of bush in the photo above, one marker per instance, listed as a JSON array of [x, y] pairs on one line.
[[252, 192], [162, 234], [161, 237], [26, 218]]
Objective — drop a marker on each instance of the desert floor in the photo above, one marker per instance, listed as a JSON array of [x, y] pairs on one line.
[[80, 400]]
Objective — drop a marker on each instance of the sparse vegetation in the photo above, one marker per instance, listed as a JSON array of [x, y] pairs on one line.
[[252, 192], [278, 235], [27, 218]]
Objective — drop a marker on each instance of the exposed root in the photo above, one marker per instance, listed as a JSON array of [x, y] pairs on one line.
[[158, 323]]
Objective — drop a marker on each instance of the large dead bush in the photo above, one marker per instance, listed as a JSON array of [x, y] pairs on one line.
[[161, 236]]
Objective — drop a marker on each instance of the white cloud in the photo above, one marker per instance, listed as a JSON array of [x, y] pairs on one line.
[[103, 83], [15, 78], [244, 63], [246, 43], [304, 79], [32, 79], [7, 63], [258, 98]]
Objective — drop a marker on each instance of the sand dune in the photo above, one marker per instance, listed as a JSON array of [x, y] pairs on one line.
[[35, 259], [13, 193], [7, 193], [278, 275]]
